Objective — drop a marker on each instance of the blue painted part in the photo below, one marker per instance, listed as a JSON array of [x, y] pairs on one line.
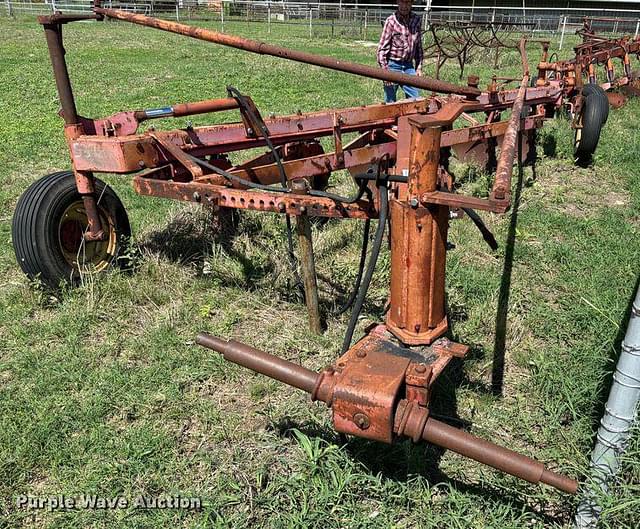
[[159, 112]]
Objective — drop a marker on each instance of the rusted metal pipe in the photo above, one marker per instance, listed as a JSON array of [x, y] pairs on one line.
[[261, 362], [187, 109], [53, 33], [263, 48], [502, 184], [413, 420], [495, 456]]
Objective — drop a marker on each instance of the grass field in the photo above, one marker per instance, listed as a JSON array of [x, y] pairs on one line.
[[102, 390]]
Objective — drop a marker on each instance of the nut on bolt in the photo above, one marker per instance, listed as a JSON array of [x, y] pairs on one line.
[[414, 202], [361, 421]]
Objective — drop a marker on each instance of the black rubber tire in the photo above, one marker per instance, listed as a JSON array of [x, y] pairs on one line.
[[593, 88], [588, 135], [43, 241]]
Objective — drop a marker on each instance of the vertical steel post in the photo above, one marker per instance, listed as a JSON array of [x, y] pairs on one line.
[[308, 268], [53, 34], [366, 16], [73, 126], [418, 242], [564, 25]]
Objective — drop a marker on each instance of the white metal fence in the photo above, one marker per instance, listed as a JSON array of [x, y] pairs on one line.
[[340, 19]]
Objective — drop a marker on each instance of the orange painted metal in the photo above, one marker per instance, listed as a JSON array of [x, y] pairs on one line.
[[381, 387], [363, 401], [291, 204], [418, 247], [263, 48], [592, 52], [379, 390]]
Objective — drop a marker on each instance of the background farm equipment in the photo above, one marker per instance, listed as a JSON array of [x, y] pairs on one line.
[[591, 100], [381, 386]]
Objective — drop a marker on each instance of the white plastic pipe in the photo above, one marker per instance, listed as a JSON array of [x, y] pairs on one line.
[[620, 414]]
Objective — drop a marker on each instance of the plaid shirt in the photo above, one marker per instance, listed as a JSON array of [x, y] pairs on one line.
[[401, 42]]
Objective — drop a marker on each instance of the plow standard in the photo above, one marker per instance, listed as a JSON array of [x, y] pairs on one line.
[[380, 387]]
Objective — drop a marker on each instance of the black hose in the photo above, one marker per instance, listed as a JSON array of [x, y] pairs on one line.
[[362, 186], [284, 181], [371, 265], [356, 286], [235, 178], [486, 234]]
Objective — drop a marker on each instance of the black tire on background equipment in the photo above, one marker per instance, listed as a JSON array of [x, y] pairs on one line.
[[593, 88], [48, 227], [588, 134]]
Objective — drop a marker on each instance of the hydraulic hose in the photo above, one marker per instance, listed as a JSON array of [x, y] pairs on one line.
[[371, 265], [363, 256]]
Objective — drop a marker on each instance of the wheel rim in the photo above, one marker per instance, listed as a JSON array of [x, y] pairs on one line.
[[578, 135], [81, 255], [578, 138]]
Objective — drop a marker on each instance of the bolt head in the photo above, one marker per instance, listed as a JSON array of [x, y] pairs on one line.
[[361, 354], [420, 368], [414, 202], [361, 421]]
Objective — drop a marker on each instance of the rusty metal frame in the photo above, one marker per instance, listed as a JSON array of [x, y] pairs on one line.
[[380, 387], [594, 51]]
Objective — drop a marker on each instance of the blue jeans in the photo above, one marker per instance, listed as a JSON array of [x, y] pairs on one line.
[[409, 91]]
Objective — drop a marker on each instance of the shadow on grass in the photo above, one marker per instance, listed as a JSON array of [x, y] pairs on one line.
[[403, 460], [500, 340], [190, 239]]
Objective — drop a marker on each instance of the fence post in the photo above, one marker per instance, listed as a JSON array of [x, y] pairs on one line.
[[10, 13], [310, 22], [222, 15], [177, 13], [564, 25], [366, 20], [269, 16], [637, 28]]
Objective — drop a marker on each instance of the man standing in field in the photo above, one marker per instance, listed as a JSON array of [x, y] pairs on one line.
[[400, 48]]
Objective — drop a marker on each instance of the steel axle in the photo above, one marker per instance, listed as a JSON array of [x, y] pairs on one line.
[[409, 418]]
